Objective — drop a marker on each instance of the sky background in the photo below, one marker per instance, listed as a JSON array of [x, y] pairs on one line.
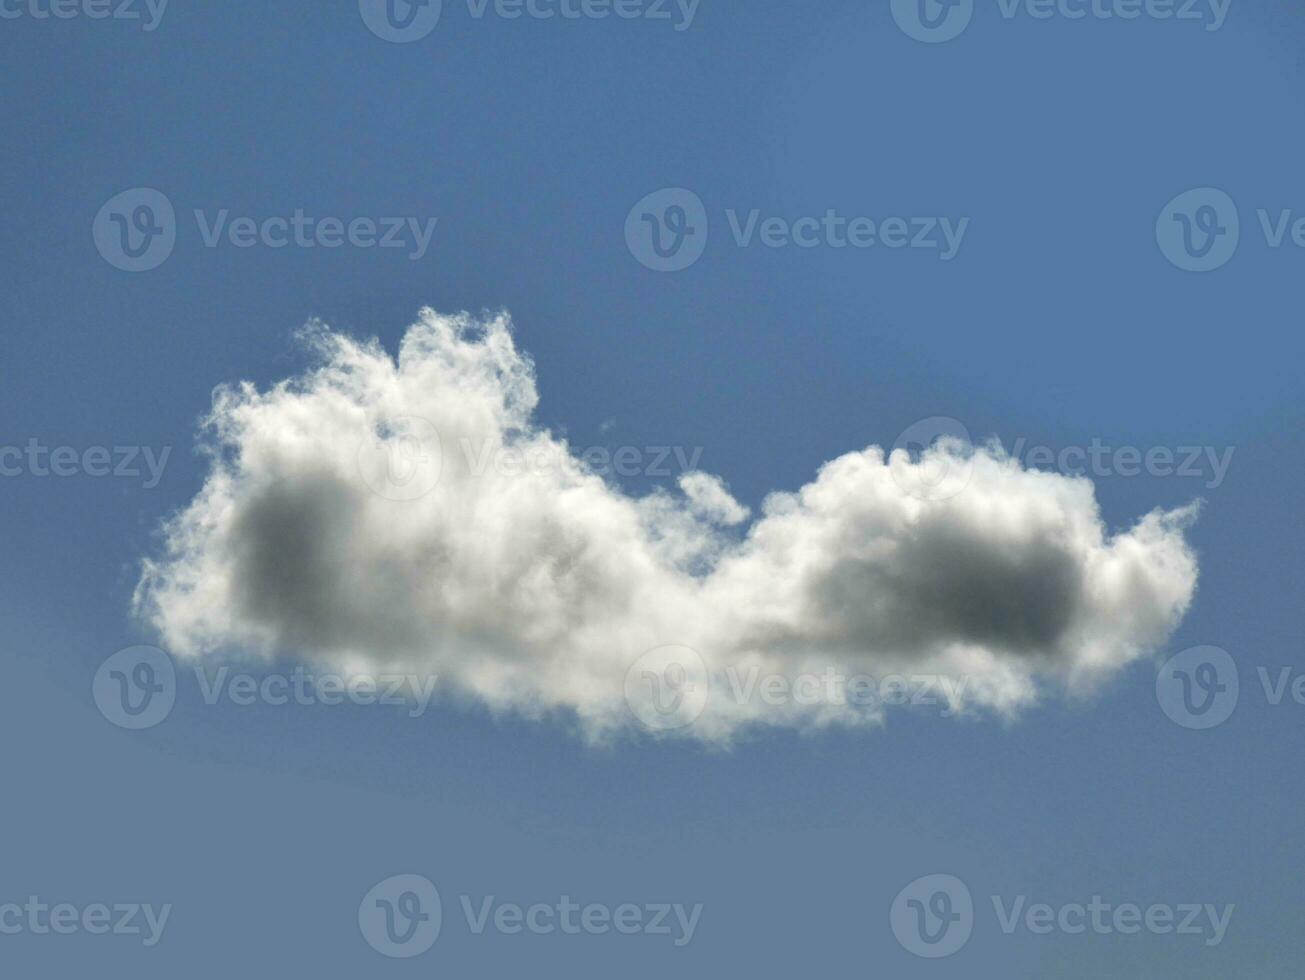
[[1059, 322]]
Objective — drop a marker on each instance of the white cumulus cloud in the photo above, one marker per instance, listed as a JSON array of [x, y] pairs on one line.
[[381, 515]]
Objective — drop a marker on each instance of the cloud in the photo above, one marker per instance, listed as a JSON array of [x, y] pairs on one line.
[[379, 515]]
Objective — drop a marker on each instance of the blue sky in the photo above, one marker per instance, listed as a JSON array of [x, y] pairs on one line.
[[1059, 322]]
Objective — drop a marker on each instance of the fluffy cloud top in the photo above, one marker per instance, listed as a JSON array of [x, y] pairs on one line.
[[362, 518]]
